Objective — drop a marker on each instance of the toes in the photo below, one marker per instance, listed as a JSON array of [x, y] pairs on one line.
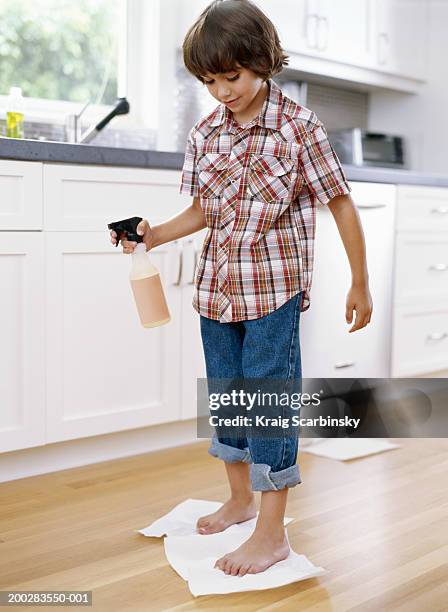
[[220, 563], [234, 568], [203, 525], [243, 569], [226, 566]]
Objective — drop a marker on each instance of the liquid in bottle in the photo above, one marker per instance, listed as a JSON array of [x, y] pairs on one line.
[[147, 289]]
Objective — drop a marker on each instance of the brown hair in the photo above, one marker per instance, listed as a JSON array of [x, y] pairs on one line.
[[230, 33]]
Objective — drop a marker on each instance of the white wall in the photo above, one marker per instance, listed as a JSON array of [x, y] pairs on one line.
[[421, 119]]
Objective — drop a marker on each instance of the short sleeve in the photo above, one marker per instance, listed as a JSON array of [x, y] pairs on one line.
[[189, 183], [322, 169]]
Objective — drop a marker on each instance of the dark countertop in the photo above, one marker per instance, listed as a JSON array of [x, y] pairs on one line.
[[47, 151]]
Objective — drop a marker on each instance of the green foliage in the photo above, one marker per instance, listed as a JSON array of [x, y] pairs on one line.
[[59, 49]]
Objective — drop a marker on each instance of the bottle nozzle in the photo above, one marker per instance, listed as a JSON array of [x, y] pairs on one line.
[[128, 226]]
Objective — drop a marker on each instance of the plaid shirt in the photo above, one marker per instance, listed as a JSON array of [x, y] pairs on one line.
[[258, 184]]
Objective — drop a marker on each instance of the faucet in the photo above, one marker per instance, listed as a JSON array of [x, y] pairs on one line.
[[121, 108]]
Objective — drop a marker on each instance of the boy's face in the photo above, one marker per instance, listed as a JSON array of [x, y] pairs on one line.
[[236, 89]]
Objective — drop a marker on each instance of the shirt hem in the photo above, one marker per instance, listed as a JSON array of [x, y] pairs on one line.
[[305, 305]]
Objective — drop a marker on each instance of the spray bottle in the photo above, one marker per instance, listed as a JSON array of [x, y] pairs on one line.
[[144, 277]]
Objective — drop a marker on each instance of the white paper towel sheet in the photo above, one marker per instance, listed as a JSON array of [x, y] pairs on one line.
[[193, 555], [344, 449]]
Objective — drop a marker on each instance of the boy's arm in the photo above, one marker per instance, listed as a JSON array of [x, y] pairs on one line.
[[349, 225], [188, 221]]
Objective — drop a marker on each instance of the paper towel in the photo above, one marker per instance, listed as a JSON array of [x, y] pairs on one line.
[[194, 555]]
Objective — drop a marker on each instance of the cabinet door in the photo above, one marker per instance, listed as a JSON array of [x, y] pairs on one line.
[[401, 37], [296, 23], [328, 349], [22, 358], [422, 208], [420, 344], [105, 372], [86, 198], [344, 31], [21, 195], [193, 363]]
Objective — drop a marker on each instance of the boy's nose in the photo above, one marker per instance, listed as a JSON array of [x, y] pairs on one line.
[[224, 94]]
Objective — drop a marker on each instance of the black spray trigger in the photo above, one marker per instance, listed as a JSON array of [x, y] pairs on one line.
[[129, 226]]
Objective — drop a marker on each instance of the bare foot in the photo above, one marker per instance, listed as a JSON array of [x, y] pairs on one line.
[[260, 551], [233, 511]]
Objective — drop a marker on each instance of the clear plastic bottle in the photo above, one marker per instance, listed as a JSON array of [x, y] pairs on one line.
[[148, 290], [14, 114]]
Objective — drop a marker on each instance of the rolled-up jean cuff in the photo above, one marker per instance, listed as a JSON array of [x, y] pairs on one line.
[[264, 479], [227, 453]]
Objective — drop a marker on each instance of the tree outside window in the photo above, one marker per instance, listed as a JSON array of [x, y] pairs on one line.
[[60, 49]]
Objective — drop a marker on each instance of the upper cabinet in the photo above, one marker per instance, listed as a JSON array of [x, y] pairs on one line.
[[340, 30], [400, 28], [382, 37], [296, 24]]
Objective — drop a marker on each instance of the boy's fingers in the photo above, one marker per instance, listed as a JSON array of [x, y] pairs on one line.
[[142, 227], [126, 244]]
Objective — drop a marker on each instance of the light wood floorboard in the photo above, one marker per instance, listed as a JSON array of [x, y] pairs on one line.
[[379, 525]]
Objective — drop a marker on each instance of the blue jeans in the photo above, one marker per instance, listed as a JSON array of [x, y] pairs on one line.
[[268, 347]]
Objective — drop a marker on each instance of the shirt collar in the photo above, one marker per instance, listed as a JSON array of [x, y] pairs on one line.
[[270, 115]]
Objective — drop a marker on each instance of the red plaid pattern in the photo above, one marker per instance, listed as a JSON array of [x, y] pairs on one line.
[[258, 186]]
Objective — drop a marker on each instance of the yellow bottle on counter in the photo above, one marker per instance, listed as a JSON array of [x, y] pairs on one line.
[[14, 114]]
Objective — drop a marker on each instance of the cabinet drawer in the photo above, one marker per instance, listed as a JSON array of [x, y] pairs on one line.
[[421, 266], [422, 208], [87, 198], [420, 340], [21, 195]]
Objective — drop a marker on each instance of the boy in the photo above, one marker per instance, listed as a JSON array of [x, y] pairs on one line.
[[255, 167]]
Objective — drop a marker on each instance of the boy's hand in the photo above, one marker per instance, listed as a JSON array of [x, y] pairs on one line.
[[143, 229], [358, 299]]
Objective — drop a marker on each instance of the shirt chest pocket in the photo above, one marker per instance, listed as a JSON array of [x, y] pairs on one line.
[[270, 178], [212, 174]]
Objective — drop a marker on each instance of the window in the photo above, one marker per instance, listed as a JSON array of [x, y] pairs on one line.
[[61, 49]]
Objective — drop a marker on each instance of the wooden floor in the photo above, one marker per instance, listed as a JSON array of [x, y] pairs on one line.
[[379, 525]]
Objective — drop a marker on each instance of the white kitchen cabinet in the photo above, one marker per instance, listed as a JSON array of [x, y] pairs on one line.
[[328, 349], [87, 198], [192, 356], [421, 267], [79, 363], [20, 195], [420, 313], [420, 344], [104, 371], [422, 208], [400, 30], [296, 23], [128, 375], [22, 359], [343, 31], [377, 42]]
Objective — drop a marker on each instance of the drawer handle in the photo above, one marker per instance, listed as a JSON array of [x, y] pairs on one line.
[[374, 205], [195, 260], [443, 210], [179, 274], [344, 364], [441, 267], [437, 337]]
